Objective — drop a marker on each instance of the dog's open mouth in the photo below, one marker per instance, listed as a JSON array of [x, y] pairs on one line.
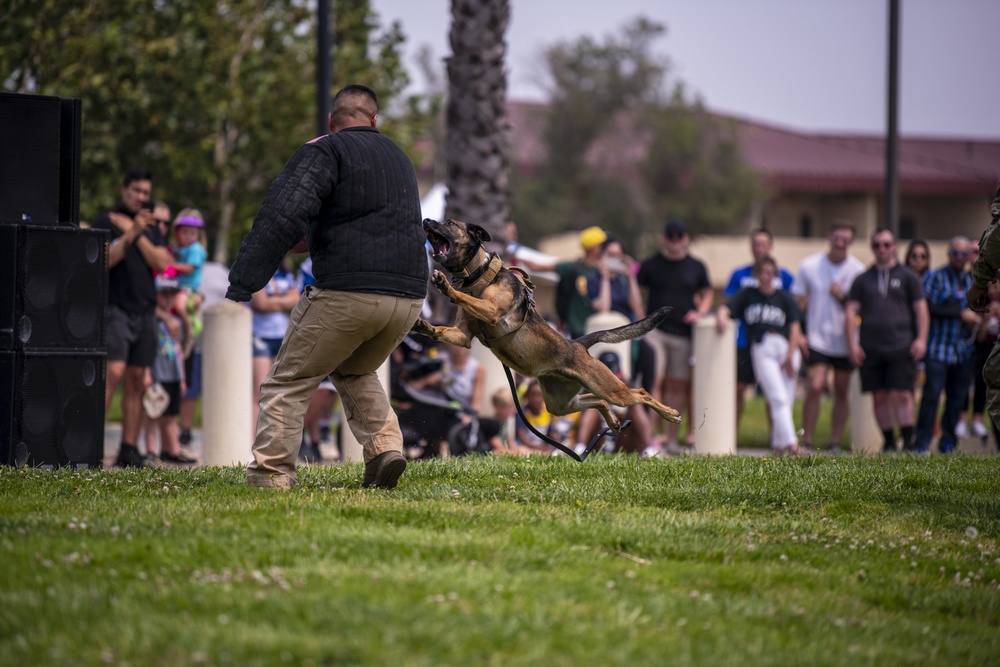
[[439, 244]]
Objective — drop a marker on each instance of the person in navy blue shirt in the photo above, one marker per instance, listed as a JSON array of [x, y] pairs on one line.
[[761, 245]]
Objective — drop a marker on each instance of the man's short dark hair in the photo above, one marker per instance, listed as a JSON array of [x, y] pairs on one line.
[[883, 230], [760, 231], [136, 174], [766, 260], [354, 101]]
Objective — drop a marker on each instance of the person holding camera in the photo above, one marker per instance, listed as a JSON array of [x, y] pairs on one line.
[[137, 252]]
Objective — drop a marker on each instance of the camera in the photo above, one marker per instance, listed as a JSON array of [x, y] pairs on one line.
[[616, 264]]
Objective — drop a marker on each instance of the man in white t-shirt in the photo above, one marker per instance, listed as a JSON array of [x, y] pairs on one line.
[[821, 285]]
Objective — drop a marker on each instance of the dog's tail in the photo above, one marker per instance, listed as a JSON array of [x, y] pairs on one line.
[[626, 332]]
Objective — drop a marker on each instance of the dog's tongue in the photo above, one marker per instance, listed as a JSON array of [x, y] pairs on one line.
[[440, 246]]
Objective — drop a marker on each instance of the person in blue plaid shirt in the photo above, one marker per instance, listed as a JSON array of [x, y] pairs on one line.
[[948, 364]]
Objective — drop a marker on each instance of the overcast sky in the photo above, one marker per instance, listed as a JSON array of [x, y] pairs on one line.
[[803, 64]]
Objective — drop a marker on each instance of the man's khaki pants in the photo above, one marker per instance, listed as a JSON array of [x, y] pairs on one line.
[[344, 335]]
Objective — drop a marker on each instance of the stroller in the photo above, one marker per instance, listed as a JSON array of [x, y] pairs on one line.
[[430, 415]]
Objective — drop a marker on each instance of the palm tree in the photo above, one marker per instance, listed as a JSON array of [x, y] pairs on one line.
[[476, 146]]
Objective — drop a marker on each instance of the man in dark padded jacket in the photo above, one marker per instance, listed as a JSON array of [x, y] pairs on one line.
[[353, 195]]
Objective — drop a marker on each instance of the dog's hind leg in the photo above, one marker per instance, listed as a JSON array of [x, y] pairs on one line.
[[583, 402], [597, 378], [665, 411]]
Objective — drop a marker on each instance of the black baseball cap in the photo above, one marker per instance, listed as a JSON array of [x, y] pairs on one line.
[[675, 226]]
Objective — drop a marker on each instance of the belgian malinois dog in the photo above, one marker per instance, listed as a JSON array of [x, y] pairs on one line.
[[495, 306]]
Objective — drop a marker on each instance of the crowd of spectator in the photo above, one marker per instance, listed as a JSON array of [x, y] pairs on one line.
[[801, 334]]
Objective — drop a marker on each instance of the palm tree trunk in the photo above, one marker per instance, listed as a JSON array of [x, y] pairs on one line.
[[476, 147]]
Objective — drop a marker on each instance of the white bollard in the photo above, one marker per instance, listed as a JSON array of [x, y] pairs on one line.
[[495, 377], [714, 386], [611, 320], [351, 450], [866, 436], [227, 385]]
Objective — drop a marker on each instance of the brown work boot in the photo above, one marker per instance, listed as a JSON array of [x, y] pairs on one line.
[[384, 470]]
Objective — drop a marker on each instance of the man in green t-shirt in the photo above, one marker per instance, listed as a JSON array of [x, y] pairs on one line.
[[572, 299]]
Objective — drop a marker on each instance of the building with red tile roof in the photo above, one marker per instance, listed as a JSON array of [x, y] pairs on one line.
[[812, 178]]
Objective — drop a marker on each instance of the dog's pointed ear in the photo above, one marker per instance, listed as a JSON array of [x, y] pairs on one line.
[[479, 232]]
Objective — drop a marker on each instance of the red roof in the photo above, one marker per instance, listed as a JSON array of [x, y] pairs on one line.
[[830, 162], [792, 160]]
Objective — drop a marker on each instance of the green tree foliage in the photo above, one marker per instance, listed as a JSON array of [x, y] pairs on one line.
[[212, 97], [624, 151]]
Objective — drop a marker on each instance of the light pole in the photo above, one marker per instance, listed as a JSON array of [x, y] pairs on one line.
[[892, 130]]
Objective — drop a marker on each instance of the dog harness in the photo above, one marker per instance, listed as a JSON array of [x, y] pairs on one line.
[[488, 264]]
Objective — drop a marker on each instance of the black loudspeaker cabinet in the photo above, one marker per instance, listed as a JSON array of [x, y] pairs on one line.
[[52, 408], [70, 124], [53, 287], [30, 150]]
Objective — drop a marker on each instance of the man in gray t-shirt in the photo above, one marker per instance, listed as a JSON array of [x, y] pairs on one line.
[[889, 299]]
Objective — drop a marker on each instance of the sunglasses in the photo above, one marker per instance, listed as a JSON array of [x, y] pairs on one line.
[[674, 236], [918, 256], [958, 253], [883, 244], [161, 222]]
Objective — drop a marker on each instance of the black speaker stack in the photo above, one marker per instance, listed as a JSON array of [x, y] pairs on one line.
[[53, 291]]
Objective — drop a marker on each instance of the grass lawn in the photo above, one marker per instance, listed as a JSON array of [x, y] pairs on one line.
[[509, 561], [753, 430]]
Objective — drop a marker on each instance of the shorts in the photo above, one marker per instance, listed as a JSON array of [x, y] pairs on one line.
[[173, 390], [744, 367], [672, 354], [838, 363], [266, 347], [192, 373], [886, 371], [131, 337]]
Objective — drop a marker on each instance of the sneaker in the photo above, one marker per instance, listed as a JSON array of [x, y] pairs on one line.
[[130, 457], [979, 430], [180, 459], [384, 470], [185, 437], [309, 453], [961, 430]]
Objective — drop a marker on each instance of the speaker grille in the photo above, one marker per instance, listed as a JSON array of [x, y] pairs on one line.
[[60, 286], [56, 406], [29, 158]]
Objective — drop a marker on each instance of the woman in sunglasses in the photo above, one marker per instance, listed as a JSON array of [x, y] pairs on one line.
[[918, 257]]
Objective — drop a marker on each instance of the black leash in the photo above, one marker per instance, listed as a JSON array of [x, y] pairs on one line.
[[607, 430]]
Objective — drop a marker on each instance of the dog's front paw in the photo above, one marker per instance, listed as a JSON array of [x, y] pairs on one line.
[[423, 328], [440, 281]]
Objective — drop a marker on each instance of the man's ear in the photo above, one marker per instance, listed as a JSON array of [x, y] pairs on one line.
[[479, 233]]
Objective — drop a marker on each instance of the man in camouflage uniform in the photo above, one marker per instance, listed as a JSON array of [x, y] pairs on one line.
[[984, 271]]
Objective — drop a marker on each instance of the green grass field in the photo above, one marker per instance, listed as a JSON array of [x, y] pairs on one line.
[[509, 561]]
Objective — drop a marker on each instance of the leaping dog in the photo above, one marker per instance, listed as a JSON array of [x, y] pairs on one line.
[[495, 306]]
